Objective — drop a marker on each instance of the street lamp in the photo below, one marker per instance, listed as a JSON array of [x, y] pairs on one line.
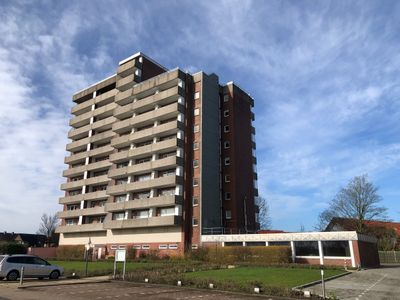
[[87, 248]]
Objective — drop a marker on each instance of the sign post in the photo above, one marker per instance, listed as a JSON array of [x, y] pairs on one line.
[[323, 282], [120, 255]]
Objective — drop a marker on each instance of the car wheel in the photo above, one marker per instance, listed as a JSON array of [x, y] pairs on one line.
[[12, 276], [1, 278], [54, 275]]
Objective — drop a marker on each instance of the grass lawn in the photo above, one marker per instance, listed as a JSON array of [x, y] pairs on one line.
[[281, 277], [98, 267]]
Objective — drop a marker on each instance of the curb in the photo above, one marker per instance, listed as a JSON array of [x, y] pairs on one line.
[[300, 287], [78, 281]]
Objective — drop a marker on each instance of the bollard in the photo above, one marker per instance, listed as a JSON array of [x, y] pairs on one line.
[[257, 290], [21, 277], [211, 285], [179, 283], [146, 280]]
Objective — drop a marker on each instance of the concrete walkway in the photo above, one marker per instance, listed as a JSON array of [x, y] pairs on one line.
[[376, 284]]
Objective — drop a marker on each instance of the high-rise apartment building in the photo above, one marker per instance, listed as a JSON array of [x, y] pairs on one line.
[[157, 158]]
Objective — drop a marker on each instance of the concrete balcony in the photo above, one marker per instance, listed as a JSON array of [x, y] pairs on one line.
[[73, 185], [103, 124], [140, 136], [127, 82], [80, 228], [81, 156], [162, 146], [161, 182], [128, 68], [168, 162], [163, 113], [162, 98], [83, 197], [90, 167], [84, 119], [91, 211], [86, 106], [161, 201], [82, 144], [142, 223]]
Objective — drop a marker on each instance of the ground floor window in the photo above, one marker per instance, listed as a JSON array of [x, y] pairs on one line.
[[336, 248], [306, 248]]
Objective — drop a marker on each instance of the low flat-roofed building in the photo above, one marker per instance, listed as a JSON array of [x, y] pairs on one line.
[[342, 248]]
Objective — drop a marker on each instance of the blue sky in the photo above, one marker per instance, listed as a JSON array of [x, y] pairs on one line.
[[324, 76]]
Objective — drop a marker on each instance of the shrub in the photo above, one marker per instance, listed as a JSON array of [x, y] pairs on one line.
[[200, 254], [70, 252], [12, 248], [262, 255], [131, 253]]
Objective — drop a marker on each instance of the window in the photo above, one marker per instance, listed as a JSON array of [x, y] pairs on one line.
[[196, 128], [97, 159], [336, 248], [195, 247], [195, 201], [143, 177], [167, 211], [195, 163], [226, 98], [227, 161], [197, 95], [143, 160], [168, 154], [145, 247], [122, 165], [226, 113], [141, 195], [71, 222], [144, 143], [255, 244], [233, 244], [306, 248], [196, 112], [140, 214], [226, 128], [195, 145], [99, 188], [77, 178], [75, 192], [100, 173], [72, 207], [121, 181], [279, 244], [195, 181], [162, 247], [166, 192], [227, 145], [114, 247], [227, 196], [120, 198], [227, 178], [137, 247], [195, 222], [119, 216], [168, 137], [173, 246], [121, 247], [228, 214], [169, 172]]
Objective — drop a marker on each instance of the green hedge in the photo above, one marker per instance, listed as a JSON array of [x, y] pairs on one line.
[[233, 255], [12, 248]]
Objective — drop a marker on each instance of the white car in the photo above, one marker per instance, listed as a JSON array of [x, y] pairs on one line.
[[10, 267]]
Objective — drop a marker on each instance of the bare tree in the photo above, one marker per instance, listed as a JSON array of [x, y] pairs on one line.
[[48, 226], [359, 200], [264, 216]]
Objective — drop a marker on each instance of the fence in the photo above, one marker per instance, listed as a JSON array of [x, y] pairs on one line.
[[389, 257]]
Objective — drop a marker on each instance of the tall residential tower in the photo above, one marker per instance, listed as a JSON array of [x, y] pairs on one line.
[[157, 158]]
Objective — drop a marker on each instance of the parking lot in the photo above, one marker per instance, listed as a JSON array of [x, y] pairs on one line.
[[376, 284], [114, 290]]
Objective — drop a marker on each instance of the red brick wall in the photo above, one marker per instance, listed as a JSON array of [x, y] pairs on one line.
[[153, 246], [47, 252]]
